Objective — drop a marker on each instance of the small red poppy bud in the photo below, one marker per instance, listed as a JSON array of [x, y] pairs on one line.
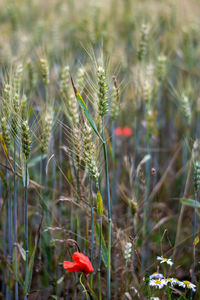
[[127, 131], [118, 131]]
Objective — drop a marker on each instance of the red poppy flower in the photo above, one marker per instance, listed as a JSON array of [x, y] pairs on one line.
[[127, 131], [81, 264], [118, 131]]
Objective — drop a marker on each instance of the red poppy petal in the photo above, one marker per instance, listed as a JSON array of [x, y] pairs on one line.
[[84, 262], [87, 266], [72, 267], [118, 131], [127, 131], [78, 255]]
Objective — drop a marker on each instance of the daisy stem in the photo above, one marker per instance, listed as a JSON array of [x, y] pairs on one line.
[[169, 294], [194, 236]]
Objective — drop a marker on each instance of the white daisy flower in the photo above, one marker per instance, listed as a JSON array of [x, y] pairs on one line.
[[157, 283], [189, 285], [175, 281], [156, 275], [169, 280], [165, 260], [154, 298]]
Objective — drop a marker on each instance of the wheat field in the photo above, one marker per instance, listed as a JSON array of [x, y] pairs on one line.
[[99, 149]]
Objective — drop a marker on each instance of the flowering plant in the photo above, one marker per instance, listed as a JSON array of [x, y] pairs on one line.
[[81, 264]]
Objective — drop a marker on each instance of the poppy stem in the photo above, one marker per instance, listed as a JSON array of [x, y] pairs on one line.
[[85, 290]]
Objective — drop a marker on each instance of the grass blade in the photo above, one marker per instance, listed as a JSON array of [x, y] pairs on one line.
[[86, 112]]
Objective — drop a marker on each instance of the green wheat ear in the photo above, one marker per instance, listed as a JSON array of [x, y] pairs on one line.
[[5, 132], [115, 105], [47, 121], [18, 78], [196, 168], [142, 49], [25, 139], [186, 108], [90, 150], [15, 114], [64, 81], [161, 67], [44, 70], [102, 92]]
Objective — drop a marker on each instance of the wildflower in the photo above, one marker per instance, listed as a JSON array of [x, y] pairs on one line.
[[156, 275], [175, 281], [154, 298], [127, 131], [157, 283], [189, 285], [81, 264], [165, 260], [118, 131]]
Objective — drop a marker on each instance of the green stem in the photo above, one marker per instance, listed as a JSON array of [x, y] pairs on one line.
[[109, 214], [145, 249], [26, 218], [85, 290], [194, 236], [99, 284], [92, 241], [99, 262], [15, 219]]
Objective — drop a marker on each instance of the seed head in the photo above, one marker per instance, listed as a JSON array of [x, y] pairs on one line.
[[64, 81], [46, 130], [31, 75], [89, 153], [73, 109], [15, 115], [115, 101], [25, 139], [23, 107], [102, 92], [196, 167], [128, 251], [142, 49], [186, 108], [161, 67], [44, 70], [5, 132], [80, 79], [18, 77]]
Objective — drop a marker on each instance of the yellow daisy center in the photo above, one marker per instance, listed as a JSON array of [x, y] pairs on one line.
[[158, 281], [186, 282]]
